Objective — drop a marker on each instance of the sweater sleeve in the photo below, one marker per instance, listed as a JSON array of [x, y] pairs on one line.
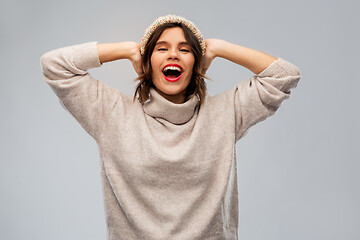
[[87, 99], [260, 96]]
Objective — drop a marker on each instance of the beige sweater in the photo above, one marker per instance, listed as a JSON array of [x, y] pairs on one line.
[[168, 170]]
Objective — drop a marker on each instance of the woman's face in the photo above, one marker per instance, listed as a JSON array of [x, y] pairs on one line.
[[172, 63]]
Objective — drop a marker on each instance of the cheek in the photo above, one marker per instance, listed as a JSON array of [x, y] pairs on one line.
[[191, 66], [191, 62], [154, 64]]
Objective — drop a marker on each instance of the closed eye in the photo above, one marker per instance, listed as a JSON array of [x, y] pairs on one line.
[[181, 50]]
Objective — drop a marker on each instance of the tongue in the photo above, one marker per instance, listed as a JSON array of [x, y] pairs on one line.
[[172, 75]]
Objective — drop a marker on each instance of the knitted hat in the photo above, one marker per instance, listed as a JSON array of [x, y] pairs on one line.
[[172, 19]]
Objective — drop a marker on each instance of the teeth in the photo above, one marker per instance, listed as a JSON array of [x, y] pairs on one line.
[[172, 68]]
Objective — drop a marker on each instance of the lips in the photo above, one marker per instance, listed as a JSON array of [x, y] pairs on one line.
[[172, 72]]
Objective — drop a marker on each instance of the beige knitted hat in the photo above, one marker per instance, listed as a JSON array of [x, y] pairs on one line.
[[172, 19]]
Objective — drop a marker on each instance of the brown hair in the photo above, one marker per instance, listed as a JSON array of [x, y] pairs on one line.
[[197, 85]]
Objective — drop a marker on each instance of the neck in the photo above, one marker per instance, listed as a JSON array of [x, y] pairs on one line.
[[177, 99]]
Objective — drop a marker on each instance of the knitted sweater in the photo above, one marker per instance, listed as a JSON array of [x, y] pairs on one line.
[[168, 170]]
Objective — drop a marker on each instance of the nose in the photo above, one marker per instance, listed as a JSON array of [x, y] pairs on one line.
[[173, 54]]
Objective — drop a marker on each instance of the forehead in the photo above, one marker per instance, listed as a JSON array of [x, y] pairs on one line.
[[171, 35]]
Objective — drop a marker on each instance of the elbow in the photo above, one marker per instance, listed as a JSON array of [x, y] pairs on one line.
[[295, 76], [51, 66], [45, 62]]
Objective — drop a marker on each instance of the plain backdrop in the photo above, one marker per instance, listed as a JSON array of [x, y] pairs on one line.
[[298, 170]]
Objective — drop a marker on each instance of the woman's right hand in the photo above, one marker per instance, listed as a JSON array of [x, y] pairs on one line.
[[135, 59]]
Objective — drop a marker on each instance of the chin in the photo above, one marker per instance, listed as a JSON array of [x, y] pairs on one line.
[[171, 88], [172, 91]]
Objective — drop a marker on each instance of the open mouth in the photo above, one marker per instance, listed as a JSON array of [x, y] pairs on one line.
[[172, 73]]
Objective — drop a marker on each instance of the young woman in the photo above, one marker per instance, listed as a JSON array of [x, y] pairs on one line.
[[168, 153]]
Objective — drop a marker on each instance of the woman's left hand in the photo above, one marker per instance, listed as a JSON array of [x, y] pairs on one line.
[[210, 54]]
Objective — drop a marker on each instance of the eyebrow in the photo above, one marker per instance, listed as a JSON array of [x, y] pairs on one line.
[[165, 42]]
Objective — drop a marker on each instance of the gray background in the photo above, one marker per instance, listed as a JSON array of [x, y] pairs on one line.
[[298, 170]]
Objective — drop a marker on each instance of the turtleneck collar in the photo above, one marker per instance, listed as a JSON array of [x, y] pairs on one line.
[[159, 107]]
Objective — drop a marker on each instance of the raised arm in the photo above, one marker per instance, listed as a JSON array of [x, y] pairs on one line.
[[89, 100], [260, 96], [123, 50], [252, 59]]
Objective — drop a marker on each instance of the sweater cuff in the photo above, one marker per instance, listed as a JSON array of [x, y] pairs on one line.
[[85, 56], [280, 68]]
